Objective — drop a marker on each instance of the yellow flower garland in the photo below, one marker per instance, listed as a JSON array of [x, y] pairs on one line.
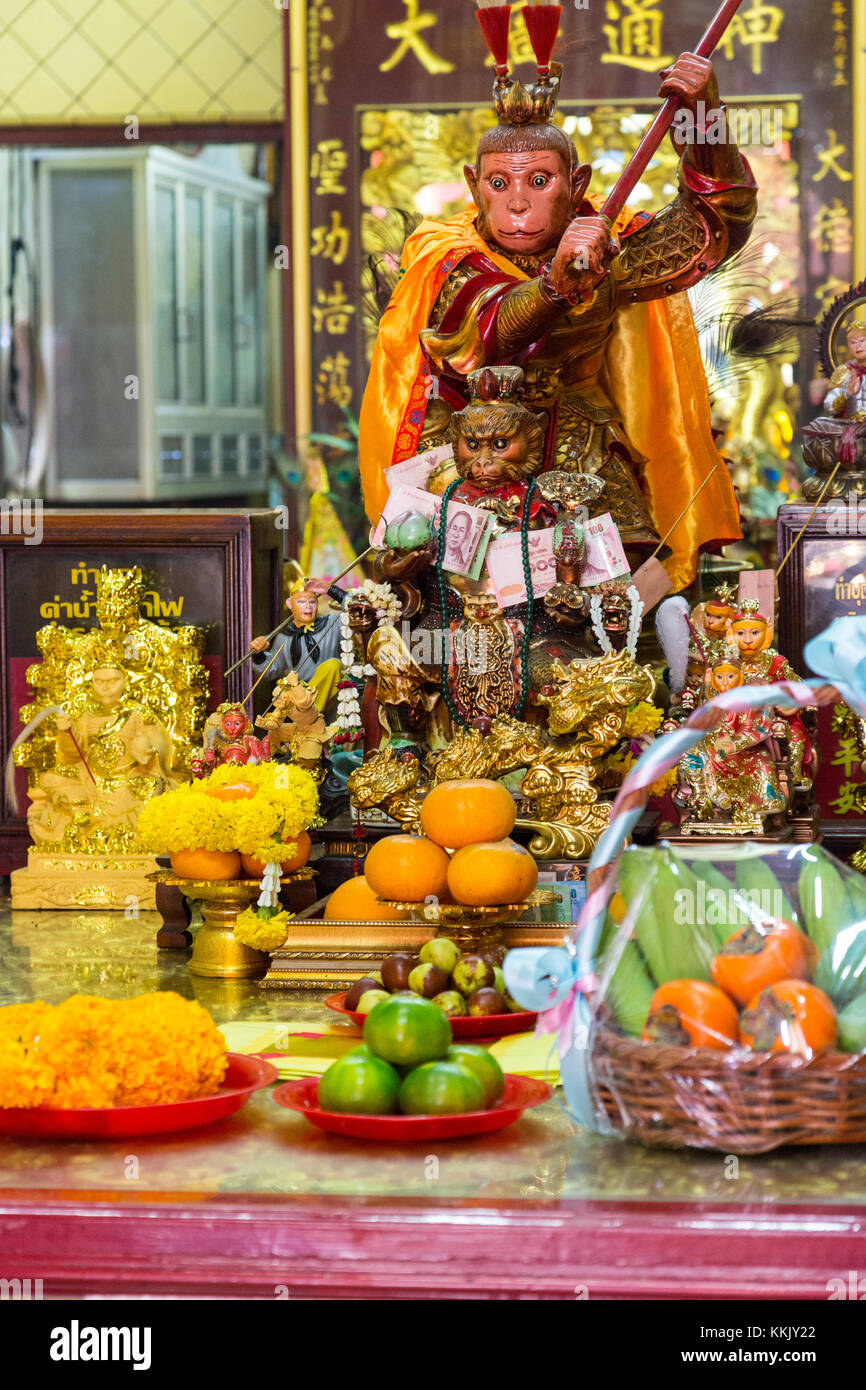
[[286, 802], [262, 933]]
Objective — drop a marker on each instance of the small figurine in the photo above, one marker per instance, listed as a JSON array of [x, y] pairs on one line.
[[295, 724], [847, 394], [111, 755], [309, 645], [498, 447], [732, 771], [229, 737], [712, 619], [762, 665]]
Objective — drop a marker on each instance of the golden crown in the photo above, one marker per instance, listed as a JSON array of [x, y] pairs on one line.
[[858, 326], [494, 383]]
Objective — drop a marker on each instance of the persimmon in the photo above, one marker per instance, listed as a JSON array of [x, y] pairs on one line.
[[407, 868], [492, 873], [760, 954], [355, 901], [790, 1016], [691, 1011], [466, 811]]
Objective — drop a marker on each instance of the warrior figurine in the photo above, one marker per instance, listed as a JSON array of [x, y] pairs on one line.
[[532, 276]]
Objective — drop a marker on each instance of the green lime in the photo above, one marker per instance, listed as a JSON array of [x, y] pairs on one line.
[[441, 1088], [485, 1067], [359, 1084], [406, 1030]]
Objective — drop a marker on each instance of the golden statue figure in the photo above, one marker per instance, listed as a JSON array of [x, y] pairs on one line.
[[116, 716]]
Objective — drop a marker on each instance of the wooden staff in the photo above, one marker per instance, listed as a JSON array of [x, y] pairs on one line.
[[285, 623], [634, 170]]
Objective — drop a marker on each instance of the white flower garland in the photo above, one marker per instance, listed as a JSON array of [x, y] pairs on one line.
[[636, 608], [387, 606]]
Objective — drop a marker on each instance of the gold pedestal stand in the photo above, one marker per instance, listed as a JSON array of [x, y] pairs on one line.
[[475, 929], [54, 879], [216, 951]]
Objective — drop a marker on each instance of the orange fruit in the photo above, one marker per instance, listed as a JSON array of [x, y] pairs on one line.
[[407, 868], [498, 871], [206, 863], [254, 868], [467, 811], [233, 791], [355, 901]]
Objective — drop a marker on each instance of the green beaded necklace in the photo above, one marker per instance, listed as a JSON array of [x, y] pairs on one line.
[[443, 604]]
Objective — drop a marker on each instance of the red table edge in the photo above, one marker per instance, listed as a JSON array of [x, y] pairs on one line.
[[187, 1244]]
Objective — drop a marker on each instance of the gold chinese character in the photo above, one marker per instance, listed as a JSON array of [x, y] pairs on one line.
[[847, 800], [634, 37], [832, 230], [408, 31], [847, 755], [754, 28], [333, 381], [331, 311], [519, 47], [828, 158], [332, 243], [327, 165]]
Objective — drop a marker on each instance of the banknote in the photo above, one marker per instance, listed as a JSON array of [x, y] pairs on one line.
[[605, 557], [505, 566], [466, 529], [415, 471]]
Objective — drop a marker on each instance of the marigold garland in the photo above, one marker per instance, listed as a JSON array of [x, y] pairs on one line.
[[263, 933], [286, 802], [92, 1052]]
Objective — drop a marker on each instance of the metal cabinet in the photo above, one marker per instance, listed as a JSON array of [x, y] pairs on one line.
[[152, 325]]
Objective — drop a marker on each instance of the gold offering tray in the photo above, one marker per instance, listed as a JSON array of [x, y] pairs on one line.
[[461, 912], [223, 888], [216, 951], [473, 928]]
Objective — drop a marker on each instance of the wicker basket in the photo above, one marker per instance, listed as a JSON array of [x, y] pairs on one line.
[[740, 1103]]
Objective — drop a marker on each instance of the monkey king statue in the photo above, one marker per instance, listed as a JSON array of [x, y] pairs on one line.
[[532, 276]]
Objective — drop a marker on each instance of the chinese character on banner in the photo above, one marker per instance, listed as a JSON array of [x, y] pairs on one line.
[[828, 158], [408, 31], [332, 383], [331, 312], [634, 35], [847, 755], [847, 801], [328, 163], [754, 28], [332, 243], [832, 229]]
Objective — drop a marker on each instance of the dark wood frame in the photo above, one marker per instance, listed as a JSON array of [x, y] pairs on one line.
[[842, 837], [248, 593], [178, 1245]]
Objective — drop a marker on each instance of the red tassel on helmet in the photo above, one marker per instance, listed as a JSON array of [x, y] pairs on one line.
[[542, 25], [495, 19]]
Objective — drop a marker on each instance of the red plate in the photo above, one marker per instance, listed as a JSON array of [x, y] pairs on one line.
[[244, 1076], [485, 1026], [521, 1093]]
